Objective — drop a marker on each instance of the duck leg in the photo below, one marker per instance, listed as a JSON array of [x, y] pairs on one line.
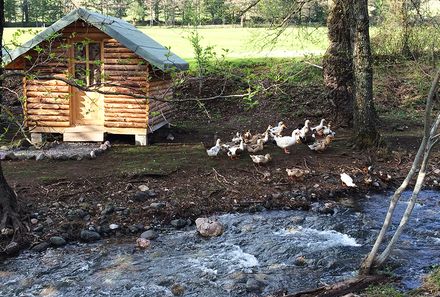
[[286, 150]]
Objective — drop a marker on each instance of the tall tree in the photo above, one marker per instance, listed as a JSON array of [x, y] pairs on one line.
[[365, 118], [338, 60], [9, 215]]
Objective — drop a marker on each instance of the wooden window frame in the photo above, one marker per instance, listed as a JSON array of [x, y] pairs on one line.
[[87, 62]]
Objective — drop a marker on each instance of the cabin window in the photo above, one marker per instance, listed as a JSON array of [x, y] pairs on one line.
[[87, 62]]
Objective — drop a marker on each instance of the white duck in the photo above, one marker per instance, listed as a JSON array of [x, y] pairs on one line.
[[260, 159], [347, 180], [277, 130], [305, 129], [237, 138], [233, 151], [213, 152], [287, 141], [320, 128]]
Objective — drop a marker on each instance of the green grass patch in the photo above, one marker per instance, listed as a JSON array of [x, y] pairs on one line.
[[386, 290], [241, 43]]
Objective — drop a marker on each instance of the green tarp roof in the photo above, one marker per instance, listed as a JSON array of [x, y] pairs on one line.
[[125, 33]]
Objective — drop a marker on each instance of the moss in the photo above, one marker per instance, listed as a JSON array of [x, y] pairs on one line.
[[386, 290]]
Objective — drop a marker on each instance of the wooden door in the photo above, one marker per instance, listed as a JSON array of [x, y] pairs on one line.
[[87, 107]]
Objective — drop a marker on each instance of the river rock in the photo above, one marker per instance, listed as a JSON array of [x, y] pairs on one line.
[[109, 208], [57, 241], [12, 248], [253, 285], [140, 196], [143, 243], [90, 236], [34, 221], [177, 290], [158, 205], [42, 246], [113, 226], [178, 223], [143, 188], [208, 227], [149, 234]]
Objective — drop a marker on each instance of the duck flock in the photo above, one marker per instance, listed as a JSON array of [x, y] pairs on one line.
[[317, 138]]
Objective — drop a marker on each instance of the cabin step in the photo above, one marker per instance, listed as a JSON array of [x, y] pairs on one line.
[[83, 136], [83, 133]]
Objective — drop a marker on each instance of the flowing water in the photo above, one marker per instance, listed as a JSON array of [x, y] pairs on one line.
[[257, 255]]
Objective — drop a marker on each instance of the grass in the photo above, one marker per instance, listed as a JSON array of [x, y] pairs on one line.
[[386, 290], [240, 42]]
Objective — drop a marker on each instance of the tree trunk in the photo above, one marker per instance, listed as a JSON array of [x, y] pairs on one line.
[[337, 63], [9, 216], [366, 134]]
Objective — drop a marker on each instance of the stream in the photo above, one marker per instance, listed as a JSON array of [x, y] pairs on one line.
[[259, 254]]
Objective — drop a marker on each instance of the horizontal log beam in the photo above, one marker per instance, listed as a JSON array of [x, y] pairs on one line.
[[49, 118], [124, 125], [48, 124], [48, 112], [47, 100], [47, 106]]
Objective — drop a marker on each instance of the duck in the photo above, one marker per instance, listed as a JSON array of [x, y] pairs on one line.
[[253, 148], [213, 152], [321, 144], [277, 130], [347, 180], [287, 141], [233, 151], [247, 136], [261, 159], [237, 138], [306, 134], [320, 128], [264, 136], [328, 131], [296, 173]]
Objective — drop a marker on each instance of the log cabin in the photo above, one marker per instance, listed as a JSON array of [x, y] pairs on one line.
[[89, 74]]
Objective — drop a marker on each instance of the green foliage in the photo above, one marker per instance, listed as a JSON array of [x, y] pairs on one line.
[[386, 290], [433, 280], [136, 12]]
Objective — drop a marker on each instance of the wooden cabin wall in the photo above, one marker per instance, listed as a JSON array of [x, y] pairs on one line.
[[124, 72], [161, 87], [48, 100]]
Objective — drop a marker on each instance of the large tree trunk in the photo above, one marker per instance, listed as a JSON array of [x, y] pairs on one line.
[[366, 134], [337, 63], [8, 201]]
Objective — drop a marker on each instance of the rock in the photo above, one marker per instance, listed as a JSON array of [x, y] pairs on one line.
[[158, 205], [141, 196], [42, 246], [34, 221], [12, 248], [7, 231], [376, 184], [8, 156], [178, 223], [151, 193], [253, 285], [113, 226], [40, 156], [109, 208], [90, 236], [149, 234], [143, 188], [133, 229], [57, 241], [177, 290], [49, 221], [143, 243], [39, 228], [170, 137], [208, 227]]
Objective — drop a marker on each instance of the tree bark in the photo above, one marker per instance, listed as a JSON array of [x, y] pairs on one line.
[[337, 63], [9, 214], [366, 134]]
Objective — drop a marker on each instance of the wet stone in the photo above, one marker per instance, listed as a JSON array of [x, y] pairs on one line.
[[178, 223], [253, 285], [12, 248], [149, 234], [158, 205], [57, 241], [177, 290], [108, 210], [42, 246], [90, 236]]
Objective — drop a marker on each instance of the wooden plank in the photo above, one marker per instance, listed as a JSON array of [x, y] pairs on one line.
[[122, 78], [121, 107], [117, 50], [119, 55], [47, 100], [125, 120], [48, 124], [128, 61], [47, 106], [48, 112], [52, 82], [50, 118], [139, 115], [83, 136], [124, 125], [48, 88], [48, 94], [111, 67], [125, 100]]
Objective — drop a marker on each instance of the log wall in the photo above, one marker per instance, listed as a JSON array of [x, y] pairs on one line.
[[160, 87], [48, 100]]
